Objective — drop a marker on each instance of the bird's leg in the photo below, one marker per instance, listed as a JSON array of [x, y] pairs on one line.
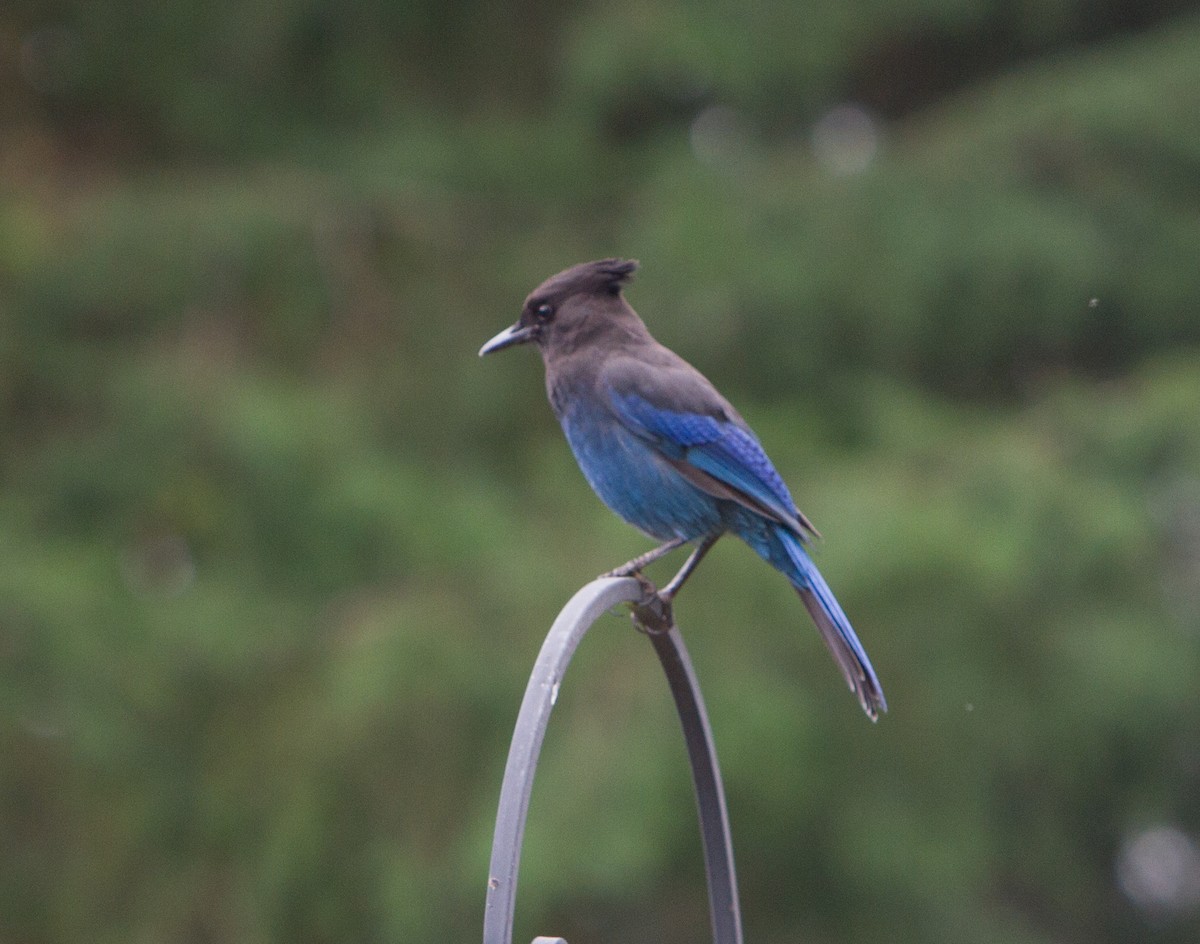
[[667, 593], [642, 560]]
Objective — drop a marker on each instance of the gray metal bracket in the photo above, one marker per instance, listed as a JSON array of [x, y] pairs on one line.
[[576, 618]]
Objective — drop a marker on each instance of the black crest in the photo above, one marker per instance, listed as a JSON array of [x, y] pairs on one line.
[[611, 274], [604, 276]]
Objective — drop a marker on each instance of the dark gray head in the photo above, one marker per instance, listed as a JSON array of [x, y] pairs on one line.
[[577, 306]]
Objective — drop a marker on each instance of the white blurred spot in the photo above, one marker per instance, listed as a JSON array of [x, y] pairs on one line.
[[719, 136], [1093, 303], [845, 140], [1159, 871]]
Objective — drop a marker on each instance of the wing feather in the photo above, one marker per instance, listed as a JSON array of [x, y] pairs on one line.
[[717, 454]]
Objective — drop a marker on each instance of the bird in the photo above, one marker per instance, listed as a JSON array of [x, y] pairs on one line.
[[665, 451]]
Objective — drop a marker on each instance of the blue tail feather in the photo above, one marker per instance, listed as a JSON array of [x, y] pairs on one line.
[[788, 555]]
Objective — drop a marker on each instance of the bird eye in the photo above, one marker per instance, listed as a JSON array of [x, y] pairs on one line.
[[543, 312]]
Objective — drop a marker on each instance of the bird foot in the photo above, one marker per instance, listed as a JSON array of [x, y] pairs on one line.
[[634, 567], [652, 614], [625, 570]]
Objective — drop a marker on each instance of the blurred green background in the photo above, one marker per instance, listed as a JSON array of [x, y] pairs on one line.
[[277, 550]]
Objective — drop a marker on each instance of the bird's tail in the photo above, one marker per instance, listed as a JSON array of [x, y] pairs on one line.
[[835, 628]]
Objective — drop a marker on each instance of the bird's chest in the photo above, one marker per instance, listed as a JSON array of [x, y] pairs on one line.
[[632, 477]]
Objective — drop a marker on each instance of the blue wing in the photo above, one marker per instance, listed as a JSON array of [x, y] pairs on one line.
[[719, 456]]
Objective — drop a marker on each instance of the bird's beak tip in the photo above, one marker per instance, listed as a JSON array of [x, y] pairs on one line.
[[516, 334]]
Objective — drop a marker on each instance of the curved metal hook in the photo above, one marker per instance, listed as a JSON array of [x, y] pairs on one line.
[[576, 618]]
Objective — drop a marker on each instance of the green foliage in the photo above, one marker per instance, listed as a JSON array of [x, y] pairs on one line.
[[278, 550]]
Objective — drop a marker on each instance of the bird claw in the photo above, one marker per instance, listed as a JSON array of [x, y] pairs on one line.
[[652, 614]]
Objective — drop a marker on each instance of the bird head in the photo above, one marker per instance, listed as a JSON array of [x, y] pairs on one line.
[[566, 305]]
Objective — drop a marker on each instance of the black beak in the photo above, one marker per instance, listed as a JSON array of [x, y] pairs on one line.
[[517, 334]]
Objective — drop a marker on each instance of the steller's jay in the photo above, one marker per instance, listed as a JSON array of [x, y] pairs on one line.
[[665, 451]]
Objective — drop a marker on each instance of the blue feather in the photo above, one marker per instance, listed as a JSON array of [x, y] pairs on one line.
[[726, 451]]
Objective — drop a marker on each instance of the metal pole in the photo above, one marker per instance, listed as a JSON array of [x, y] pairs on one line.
[[576, 618], [710, 792]]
